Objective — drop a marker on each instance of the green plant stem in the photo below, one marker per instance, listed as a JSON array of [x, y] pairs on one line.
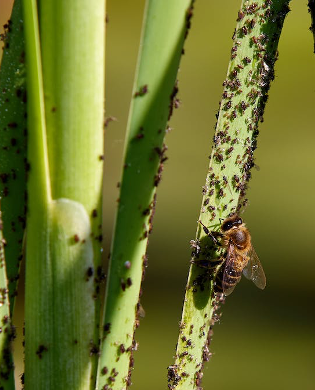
[[38, 285], [65, 119], [74, 82], [164, 30], [250, 71], [12, 183], [13, 146]]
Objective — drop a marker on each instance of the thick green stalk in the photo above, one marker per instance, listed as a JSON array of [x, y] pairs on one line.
[[73, 72], [250, 71], [164, 30], [13, 146], [65, 84]]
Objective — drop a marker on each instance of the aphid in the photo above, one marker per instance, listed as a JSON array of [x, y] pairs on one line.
[[240, 254]]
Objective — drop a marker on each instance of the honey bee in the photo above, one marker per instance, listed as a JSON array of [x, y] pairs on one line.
[[240, 254]]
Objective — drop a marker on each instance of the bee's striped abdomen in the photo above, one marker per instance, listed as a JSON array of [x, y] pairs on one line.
[[232, 277], [232, 272]]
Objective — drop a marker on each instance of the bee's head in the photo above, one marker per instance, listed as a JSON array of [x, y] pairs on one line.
[[231, 222]]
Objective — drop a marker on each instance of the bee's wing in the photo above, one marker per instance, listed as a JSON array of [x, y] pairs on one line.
[[254, 270], [229, 271]]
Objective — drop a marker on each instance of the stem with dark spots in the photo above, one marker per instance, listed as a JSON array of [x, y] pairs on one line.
[[250, 71], [13, 166], [164, 31], [13, 162]]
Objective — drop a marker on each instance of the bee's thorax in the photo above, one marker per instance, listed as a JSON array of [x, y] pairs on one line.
[[239, 237]]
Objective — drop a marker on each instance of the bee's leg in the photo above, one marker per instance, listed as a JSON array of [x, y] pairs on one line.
[[213, 235]]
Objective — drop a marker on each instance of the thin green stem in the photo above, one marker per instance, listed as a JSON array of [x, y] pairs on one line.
[[12, 183], [38, 289], [164, 30], [250, 71], [13, 146], [37, 146]]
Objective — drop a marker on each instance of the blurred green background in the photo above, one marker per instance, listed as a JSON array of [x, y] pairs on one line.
[[264, 339]]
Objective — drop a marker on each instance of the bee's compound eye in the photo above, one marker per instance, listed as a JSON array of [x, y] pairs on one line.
[[227, 226]]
